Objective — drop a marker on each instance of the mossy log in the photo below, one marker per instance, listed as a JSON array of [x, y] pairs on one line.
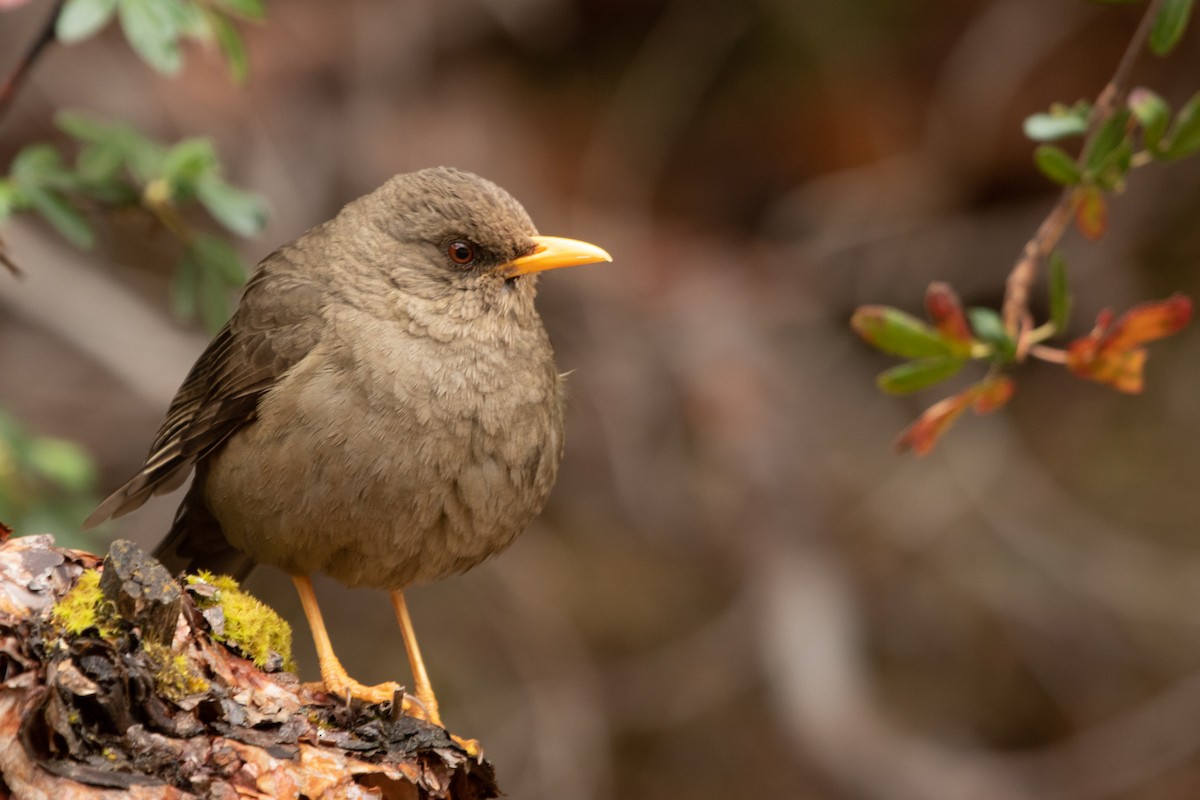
[[124, 690]]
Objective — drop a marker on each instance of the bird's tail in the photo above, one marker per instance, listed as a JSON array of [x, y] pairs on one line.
[[196, 541]]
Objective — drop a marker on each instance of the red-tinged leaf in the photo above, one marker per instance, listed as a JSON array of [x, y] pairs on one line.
[[1091, 213], [1120, 369], [893, 331], [987, 396], [1112, 354], [1146, 322], [945, 309], [923, 434], [992, 394]]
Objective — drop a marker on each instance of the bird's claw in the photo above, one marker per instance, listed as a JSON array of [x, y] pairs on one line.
[[427, 709], [472, 746]]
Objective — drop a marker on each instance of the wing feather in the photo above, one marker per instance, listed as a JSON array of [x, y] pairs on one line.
[[276, 324]]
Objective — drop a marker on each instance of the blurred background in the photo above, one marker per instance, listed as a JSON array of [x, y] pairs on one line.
[[738, 589]]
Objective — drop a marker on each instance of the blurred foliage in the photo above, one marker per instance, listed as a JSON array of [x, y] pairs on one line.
[[118, 167], [1137, 130], [155, 29], [46, 484]]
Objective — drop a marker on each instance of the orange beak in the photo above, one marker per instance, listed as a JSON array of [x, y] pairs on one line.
[[553, 252]]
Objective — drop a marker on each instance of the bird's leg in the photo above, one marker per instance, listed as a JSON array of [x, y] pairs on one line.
[[421, 686], [333, 674]]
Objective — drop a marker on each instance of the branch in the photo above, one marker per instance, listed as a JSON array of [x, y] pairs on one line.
[[1017, 318], [140, 698], [15, 80]]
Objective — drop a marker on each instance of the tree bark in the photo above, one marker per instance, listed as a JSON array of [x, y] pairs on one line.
[[145, 704]]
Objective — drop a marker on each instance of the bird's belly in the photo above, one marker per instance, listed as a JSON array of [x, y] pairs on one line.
[[380, 494]]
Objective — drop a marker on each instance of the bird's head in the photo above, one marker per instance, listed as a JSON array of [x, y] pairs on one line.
[[441, 231]]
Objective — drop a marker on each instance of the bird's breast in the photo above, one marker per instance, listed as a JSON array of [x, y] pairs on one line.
[[388, 458]]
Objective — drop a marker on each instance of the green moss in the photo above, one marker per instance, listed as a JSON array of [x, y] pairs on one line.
[[84, 608], [175, 677], [251, 627]]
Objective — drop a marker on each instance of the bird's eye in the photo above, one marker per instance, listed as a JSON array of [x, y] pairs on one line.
[[461, 252]]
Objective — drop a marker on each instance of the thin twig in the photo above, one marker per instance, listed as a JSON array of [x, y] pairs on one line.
[[8, 263], [15, 80], [1050, 354], [1017, 319]]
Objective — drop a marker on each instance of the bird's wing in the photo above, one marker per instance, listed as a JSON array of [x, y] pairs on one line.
[[277, 323]]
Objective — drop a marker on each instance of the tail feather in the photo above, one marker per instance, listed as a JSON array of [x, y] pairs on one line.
[[196, 541], [137, 491]]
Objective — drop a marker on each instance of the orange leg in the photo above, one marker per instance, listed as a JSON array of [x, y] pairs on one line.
[[333, 674], [421, 686]]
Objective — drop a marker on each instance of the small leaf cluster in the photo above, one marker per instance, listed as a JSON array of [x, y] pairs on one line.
[[118, 167], [156, 29], [938, 350], [1143, 132], [46, 484], [1112, 353]]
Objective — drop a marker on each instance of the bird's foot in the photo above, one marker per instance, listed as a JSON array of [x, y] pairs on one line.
[[337, 682], [373, 695]]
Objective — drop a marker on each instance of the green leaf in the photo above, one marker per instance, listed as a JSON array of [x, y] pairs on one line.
[[218, 256], [59, 213], [1106, 141], [34, 163], [1185, 134], [142, 155], [187, 162], [1060, 297], [215, 306], [1169, 25], [893, 331], [64, 463], [989, 328], [1110, 175], [79, 19], [87, 128], [232, 47], [194, 23], [241, 212], [10, 198], [1050, 127], [211, 268], [1153, 114], [183, 287], [152, 28], [916, 375], [99, 163], [41, 165], [247, 9], [1056, 165]]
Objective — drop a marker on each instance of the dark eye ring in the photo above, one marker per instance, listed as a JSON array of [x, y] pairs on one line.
[[461, 252]]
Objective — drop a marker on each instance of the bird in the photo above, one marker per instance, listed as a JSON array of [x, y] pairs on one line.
[[383, 407]]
